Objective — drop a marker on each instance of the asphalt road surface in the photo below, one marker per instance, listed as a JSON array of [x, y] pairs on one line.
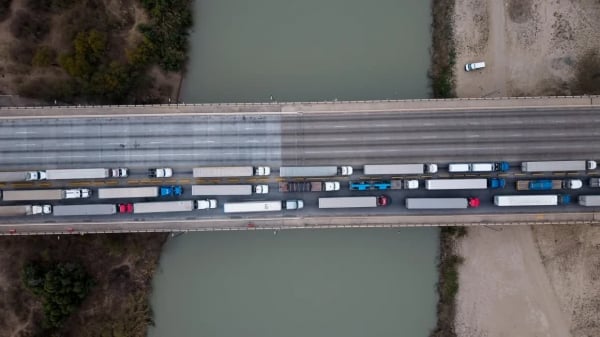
[[358, 138]]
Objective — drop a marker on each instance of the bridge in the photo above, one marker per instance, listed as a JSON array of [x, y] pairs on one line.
[[344, 133]]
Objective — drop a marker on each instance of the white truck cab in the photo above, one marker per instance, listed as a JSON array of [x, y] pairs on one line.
[[261, 189]]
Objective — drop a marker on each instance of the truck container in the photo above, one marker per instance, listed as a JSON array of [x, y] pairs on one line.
[[478, 167], [93, 173], [221, 189], [23, 195], [305, 186], [399, 169], [128, 192], [464, 184], [314, 171], [558, 166], [441, 203], [531, 200], [594, 182], [262, 206], [589, 200], [22, 210], [13, 176], [82, 210], [230, 171], [163, 206], [354, 202], [548, 184]]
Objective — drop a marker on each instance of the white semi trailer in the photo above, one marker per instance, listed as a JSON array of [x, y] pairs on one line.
[[399, 169], [230, 171], [23, 210], [589, 200], [558, 165], [531, 200], [128, 192], [262, 206], [163, 206], [55, 194], [315, 171], [83, 210]]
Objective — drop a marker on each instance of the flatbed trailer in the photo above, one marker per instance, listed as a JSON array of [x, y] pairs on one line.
[[309, 186], [83, 210], [539, 185]]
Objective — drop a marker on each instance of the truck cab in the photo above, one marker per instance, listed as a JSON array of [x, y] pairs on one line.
[[35, 175], [262, 171], [331, 186], [160, 172], [293, 204], [206, 204], [497, 183], [346, 170], [168, 191], [78, 193], [261, 189]]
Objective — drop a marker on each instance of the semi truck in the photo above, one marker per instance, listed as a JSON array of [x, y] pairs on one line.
[[24, 195], [22, 210], [558, 166], [399, 169], [354, 202], [230, 171], [82, 210], [589, 200], [441, 203], [479, 167], [163, 206], [464, 184], [532, 200], [229, 189], [262, 206], [128, 192], [548, 184], [306, 186], [93, 173], [315, 171]]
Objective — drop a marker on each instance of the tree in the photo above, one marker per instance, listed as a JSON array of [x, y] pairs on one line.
[[44, 57]]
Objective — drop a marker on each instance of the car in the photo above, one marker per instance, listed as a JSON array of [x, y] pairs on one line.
[[206, 204], [161, 172], [474, 66], [261, 189], [359, 186], [263, 171], [125, 208], [119, 172], [168, 191], [381, 185], [383, 200]]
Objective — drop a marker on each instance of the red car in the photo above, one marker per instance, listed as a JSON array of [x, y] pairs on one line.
[[125, 208]]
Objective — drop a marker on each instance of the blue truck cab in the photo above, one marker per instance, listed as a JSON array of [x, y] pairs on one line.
[[564, 199], [497, 183], [359, 186], [168, 191], [502, 166]]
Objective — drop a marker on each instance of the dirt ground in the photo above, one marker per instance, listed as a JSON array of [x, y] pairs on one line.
[[522, 281], [530, 47]]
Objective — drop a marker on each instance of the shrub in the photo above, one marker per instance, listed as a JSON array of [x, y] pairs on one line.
[[44, 57], [29, 27], [4, 9], [22, 52]]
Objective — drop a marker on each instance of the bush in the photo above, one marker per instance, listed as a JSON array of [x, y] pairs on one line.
[[22, 52], [29, 27], [4, 9], [44, 57], [62, 288]]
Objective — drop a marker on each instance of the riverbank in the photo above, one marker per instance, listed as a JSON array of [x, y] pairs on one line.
[[122, 267]]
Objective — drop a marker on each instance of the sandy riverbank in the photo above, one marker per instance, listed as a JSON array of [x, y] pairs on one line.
[[526, 281]]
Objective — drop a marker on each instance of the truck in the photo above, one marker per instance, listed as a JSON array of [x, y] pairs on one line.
[[228, 189], [315, 171], [479, 167], [441, 203], [382, 185], [93, 173], [589, 200], [22, 210], [230, 171], [312, 186], [548, 184], [56, 194], [262, 206], [354, 202], [83, 210], [163, 206], [14, 176], [532, 200], [160, 172], [464, 184], [128, 192], [399, 169], [558, 166]]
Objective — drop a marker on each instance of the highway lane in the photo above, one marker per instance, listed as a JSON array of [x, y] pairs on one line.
[[303, 138]]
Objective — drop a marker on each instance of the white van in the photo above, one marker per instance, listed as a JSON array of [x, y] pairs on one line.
[[474, 66]]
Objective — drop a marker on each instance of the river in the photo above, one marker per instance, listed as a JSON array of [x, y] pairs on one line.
[[309, 50], [297, 283]]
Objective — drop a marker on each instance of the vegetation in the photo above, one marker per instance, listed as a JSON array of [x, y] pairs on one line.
[[4, 9], [62, 288], [167, 32], [443, 53], [587, 74], [44, 57], [447, 286]]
